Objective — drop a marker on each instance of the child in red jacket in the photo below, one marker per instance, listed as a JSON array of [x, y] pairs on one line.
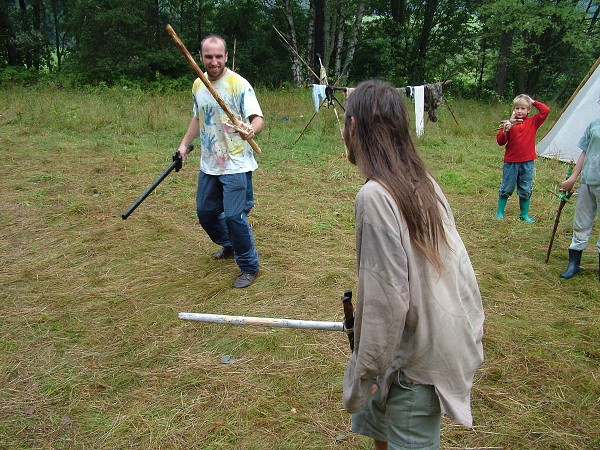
[[518, 134]]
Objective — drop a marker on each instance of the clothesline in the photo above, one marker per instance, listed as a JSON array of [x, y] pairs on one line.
[[416, 92]]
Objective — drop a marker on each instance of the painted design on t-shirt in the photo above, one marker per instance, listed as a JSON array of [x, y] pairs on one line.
[[223, 149]]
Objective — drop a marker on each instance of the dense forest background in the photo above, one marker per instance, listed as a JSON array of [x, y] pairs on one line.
[[488, 48]]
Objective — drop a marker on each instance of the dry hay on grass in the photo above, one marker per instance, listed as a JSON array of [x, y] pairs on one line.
[[93, 354]]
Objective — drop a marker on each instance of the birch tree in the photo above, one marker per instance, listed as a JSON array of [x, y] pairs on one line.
[[286, 9], [343, 22]]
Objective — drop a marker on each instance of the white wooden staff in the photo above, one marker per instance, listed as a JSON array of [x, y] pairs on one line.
[[263, 321], [347, 325], [237, 124]]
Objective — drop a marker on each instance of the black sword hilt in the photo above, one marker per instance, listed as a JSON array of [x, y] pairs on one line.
[[348, 317]]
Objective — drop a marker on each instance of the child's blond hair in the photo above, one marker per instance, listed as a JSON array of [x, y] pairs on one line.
[[523, 100]]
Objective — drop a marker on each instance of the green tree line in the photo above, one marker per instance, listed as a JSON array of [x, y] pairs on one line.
[[486, 47]]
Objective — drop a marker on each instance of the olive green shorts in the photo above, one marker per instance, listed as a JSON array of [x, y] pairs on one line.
[[410, 419]]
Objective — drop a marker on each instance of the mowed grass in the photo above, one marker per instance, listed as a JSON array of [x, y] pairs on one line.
[[92, 354]]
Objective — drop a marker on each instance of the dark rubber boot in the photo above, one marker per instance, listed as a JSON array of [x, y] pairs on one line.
[[574, 263]]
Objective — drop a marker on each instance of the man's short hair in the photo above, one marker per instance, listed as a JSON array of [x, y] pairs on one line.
[[212, 37]]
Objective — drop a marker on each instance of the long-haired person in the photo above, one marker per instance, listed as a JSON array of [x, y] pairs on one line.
[[419, 316]]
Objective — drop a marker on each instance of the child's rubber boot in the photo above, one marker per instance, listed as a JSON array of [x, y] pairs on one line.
[[524, 207], [501, 205], [574, 263]]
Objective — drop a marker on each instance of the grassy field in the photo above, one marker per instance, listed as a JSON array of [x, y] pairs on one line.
[[92, 354]]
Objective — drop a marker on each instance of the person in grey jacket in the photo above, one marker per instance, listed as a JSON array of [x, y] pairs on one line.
[[586, 210], [419, 316]]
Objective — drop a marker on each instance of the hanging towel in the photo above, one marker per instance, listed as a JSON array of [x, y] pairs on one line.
[[318, 95], [419, 109]]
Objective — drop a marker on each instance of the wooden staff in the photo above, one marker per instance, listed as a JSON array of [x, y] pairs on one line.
[[563, 196], [237, 124], [296, 53]]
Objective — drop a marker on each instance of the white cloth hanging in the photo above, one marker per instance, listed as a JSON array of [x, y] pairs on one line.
[[419, 109], [318, 95]]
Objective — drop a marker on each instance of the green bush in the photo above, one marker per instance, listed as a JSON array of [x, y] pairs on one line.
[[17, 76]]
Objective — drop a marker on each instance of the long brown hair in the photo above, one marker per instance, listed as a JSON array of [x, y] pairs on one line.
[[378, 141]]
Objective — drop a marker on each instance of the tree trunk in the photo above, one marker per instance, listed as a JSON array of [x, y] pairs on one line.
[[503, 60], [158, 29], [14, 57], [310, 47], [293, 40], [200, 14], [482, 66], [546, 43], [340, 40], [329, 33], [418, 74], [57, 26], [26, 27], [319, 32], [525, 64], [398, 10], [592, 27], [40, 37], [351, 47]]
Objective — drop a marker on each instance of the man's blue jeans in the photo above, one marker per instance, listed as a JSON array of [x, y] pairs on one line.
[[222, 206]]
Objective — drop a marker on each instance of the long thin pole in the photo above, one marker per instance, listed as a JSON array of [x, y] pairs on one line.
[[208, 84], [262, 321], [296, 53], [311, 119]]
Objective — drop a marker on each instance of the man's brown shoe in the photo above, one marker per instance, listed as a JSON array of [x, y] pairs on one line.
[[224, 253], [244, 280]]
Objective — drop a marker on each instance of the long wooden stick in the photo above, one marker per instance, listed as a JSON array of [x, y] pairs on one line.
[[448, 105], [296, 53], [208, 84], [564, 196]]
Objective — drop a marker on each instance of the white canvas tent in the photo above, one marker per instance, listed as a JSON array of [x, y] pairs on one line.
[[560, 141]]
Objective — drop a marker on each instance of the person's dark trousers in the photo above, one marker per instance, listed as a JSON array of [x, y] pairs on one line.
[[221, 205]]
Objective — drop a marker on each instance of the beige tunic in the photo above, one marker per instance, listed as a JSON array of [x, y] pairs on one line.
[[409, 316]]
